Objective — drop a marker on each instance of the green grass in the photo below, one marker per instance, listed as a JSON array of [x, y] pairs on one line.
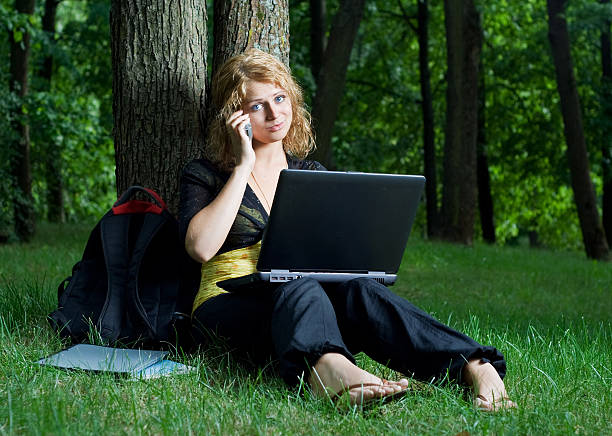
[[549, 313]]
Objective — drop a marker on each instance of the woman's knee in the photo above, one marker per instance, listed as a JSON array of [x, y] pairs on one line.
[[361, 296], [301, 298], [365, 288], [299, 289]]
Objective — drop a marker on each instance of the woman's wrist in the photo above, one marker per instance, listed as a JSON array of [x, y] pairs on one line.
[[243, 170]]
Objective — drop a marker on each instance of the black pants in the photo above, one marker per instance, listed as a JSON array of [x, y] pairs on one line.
[[299, 321]]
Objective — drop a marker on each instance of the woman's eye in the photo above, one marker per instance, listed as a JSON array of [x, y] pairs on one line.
[[256, 107], [279, 98]]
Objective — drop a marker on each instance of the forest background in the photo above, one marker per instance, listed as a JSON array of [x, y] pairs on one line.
[[380, 123]]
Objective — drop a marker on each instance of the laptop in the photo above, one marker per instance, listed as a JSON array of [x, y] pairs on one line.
[[335, 226]]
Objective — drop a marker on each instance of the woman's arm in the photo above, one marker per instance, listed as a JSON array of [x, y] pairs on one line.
[[209, 228]]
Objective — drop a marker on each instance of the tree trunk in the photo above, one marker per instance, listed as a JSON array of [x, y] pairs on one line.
[[463, 42], [159, 86], [606, 144], [485, 199], [318, 27], [330, 83], [429, 142], [584, 194], [23, 203], [250, 23], [53, 169]]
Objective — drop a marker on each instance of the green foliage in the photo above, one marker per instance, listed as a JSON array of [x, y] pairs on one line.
[[380, 123], [6, 137], [379, 127], [70, 118], [380, 120], [523, 126], [529, 168], [16, 23], [85, 148]]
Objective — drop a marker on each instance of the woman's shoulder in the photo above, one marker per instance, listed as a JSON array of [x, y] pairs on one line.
[[203, 171], [200, 165], [304, 164], [203, 168]]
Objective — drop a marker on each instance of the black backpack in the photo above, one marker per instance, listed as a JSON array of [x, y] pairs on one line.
[[135, 284]]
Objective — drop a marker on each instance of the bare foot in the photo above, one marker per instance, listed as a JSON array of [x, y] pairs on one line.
[[334, 374], [489, 391]]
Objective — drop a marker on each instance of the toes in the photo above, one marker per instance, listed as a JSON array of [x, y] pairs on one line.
[[362, 395], [395, 386], [486, 405], [481, 403]]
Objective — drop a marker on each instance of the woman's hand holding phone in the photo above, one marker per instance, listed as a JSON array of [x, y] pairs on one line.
[[249, 131], [210, 226], [240, 131]]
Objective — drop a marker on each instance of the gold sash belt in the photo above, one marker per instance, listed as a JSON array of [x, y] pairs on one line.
[[225, 266]]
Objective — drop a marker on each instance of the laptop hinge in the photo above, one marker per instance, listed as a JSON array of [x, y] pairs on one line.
[[376, 273]]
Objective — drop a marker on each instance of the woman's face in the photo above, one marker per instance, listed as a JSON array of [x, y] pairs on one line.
[[269, 109]]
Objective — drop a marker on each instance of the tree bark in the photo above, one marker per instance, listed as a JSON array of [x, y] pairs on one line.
[[429, 141], [485, 199], [53, 165], [318, 27], [23, 203], [606, 144], [463, 42], [331, 79], [250, 23], [584, 194], [159, 86]]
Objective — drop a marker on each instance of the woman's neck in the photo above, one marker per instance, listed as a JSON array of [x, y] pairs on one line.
[[269, 155]]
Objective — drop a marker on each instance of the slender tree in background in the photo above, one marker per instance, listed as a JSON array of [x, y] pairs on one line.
[[23, 202], [429, 140], [159, 87], [332, 76], [463, 42], [483, 178], [253, 23], [606, 144], [429, 143], [584, 194], [53, 164], [318, 27]]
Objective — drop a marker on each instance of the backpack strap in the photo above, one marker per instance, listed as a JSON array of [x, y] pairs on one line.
[[115, 234], [151, 225], [61, 289]]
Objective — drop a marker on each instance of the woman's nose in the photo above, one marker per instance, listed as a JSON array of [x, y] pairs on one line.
[[271, 111]]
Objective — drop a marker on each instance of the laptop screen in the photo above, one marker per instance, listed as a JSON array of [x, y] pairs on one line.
[[326, 221]]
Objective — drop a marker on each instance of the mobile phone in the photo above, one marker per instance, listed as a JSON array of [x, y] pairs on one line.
[[249, 131]]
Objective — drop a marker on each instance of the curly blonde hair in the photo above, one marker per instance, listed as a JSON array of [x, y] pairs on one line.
[[228, 91]]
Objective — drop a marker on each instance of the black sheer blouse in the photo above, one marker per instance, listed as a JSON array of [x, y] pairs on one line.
[[201, 182]]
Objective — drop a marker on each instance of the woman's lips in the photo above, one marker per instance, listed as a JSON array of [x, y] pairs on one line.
[[276, 127]]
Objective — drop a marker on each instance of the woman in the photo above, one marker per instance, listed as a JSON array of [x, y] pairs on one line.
[[312, 330]]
